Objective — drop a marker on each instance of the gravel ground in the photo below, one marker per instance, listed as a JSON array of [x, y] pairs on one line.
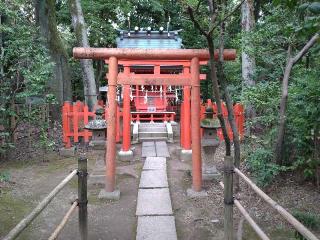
[[200, 218]]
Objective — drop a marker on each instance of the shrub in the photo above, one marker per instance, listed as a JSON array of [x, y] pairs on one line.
[[259, 162]]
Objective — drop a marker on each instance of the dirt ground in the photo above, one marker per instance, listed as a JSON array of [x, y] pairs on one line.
[[29, 181]]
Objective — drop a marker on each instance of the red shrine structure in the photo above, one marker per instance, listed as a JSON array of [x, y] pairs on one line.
[[150, 80]]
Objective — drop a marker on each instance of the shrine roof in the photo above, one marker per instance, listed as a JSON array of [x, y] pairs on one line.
[[149, 39]]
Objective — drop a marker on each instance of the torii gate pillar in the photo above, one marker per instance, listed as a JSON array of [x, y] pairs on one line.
[[110, 192]]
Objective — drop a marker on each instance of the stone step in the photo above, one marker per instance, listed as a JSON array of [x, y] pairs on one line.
[[152, 134], [153, 129], [152, 124], [152, 138]]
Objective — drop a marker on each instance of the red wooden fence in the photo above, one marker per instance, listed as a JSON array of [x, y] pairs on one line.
[[238, 111], [74, 118]]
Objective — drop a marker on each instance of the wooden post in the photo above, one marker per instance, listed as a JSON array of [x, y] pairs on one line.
[[66, 110], [75, 122], [187, 117], [82, 197], [112, 122], [228, 197], [86, 121], [126, 118], [182, 125], [195, 126]]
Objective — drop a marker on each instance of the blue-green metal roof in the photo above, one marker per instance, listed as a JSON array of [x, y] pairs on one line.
[[149, 40]]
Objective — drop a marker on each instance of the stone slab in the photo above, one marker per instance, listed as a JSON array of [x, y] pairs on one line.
[[148, 149], [162, 149], [154, 202], [154, 163], [154, 179], [148, 144], [156, 228]]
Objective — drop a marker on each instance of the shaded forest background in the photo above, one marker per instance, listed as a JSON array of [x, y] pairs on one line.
[[37, 37]]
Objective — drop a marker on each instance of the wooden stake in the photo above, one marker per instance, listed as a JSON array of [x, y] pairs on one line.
[[82, 197], [228, 198], [251, 222], [59, 228]]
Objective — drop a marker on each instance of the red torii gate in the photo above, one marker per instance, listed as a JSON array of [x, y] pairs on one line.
[[190, 78]]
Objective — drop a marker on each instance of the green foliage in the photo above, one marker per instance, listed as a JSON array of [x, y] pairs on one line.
[[259, 162], [26, 67], [284, 23], [4, 176], [45, 142], [310, 220], [265, 97], [303, 119]]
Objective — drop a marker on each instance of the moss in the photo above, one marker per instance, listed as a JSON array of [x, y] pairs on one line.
[[73, 183], [12, 210], [94, 200], [309, 219], [278, 233], [56, 165]]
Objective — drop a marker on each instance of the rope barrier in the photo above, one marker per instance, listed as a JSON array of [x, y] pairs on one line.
[[284, 213], [36, 211], [249, 219], [63, 222]]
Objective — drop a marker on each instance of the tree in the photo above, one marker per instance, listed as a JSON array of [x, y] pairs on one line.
[[217, 72], [25, 68], [248, 60], [291, 61], [90, 89], [60, 83]]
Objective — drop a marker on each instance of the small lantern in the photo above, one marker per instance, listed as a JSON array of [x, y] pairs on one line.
[[98, 127], [209, 143]]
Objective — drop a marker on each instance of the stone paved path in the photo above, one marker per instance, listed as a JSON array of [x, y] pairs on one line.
[[154, 208], [155, 149]]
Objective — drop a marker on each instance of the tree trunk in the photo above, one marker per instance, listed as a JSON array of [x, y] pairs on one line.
[[316, 140], [291, 61], [283, 106], [248, 61], [231, 119], [90, 89], [60, 84], [1, 50], [216, 92]]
